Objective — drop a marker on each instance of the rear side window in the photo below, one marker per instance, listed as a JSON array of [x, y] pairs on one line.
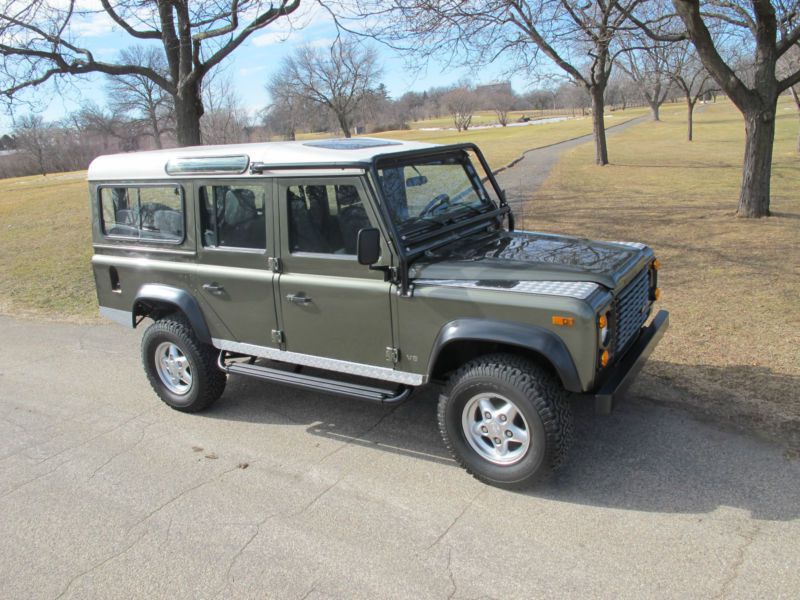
[[233, 216], [145, 213]]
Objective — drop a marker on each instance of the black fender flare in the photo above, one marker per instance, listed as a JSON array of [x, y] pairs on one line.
[[529, 337], [180, 299]]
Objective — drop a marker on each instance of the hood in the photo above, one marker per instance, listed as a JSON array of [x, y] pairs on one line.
[[528, 256]]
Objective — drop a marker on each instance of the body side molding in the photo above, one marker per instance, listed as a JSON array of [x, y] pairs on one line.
[[320, 362], [529, 337]]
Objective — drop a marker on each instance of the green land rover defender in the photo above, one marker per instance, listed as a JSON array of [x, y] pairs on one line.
[[368, 268]]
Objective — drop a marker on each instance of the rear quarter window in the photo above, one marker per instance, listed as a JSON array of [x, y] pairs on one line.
[[152, 213]]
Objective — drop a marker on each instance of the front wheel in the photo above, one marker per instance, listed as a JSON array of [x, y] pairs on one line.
[[506, 420], [181, 369]]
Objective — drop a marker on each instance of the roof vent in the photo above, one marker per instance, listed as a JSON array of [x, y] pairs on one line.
[[351, 144], [207, 165]]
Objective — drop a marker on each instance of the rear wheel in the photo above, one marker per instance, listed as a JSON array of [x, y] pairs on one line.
[[506, 420], [182, 370]]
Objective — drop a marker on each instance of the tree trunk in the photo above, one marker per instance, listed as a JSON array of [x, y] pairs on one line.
[[654, 110], [156, 131], [760, 132], [599, 126], [344, 123], [689, 118], [188, 110]]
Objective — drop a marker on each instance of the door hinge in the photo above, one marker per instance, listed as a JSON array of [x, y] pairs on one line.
[[393, 355], [274, 264], [277, 336]]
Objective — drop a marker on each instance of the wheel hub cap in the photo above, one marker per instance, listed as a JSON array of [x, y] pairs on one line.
[[173, 368], [495, 428]]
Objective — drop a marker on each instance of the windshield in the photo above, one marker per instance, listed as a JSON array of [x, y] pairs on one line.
[[429, 192]]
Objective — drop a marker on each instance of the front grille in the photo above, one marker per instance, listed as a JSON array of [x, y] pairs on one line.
[[631, 309]]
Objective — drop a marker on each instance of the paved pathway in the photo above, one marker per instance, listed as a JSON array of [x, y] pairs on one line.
[[106, 493], [523, 179]]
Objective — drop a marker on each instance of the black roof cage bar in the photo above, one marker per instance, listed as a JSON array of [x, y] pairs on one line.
[[403, 255], [436, 150], [372, 167]]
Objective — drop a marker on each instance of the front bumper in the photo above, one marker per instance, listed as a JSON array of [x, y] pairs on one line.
[[616, 380]]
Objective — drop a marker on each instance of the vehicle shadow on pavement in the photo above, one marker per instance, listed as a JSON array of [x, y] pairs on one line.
[[643, 457]]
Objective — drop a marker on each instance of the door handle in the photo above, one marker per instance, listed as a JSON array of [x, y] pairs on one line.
[[300, 299], [214, 288]]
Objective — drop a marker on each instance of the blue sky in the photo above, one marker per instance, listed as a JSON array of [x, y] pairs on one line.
[[255, 61]]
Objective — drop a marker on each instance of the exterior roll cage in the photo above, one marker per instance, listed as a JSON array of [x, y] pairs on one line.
[[405, 254]]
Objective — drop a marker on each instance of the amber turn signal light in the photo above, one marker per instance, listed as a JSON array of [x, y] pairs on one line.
[[563, 321], [602, 322], [604, 358], [656, 264]]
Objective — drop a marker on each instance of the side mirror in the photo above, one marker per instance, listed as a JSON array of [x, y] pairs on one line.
[[368, 246]]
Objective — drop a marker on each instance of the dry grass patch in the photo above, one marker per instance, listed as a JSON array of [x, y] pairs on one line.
[[45, 246], [731, 285]]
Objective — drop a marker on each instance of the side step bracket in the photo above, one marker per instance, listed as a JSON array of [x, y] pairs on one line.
[[317, 384]]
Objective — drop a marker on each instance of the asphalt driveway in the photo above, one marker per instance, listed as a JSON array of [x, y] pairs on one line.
[[276, 493]]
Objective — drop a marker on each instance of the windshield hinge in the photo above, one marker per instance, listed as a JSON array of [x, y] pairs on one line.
[[274, 264], [393, 355], [277, 336]]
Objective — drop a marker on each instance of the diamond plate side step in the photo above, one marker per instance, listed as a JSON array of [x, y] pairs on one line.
[[319, 384]]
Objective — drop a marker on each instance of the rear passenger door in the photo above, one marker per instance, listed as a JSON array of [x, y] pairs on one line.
[[234, 275], [330, 306]]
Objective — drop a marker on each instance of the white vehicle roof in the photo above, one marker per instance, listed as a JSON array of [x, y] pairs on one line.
[[229, 160]]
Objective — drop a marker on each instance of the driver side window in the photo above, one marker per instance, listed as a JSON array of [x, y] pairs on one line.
[[325, 219]]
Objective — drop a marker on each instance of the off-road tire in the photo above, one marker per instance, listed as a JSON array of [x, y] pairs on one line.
[[537, 394], [208, 381]]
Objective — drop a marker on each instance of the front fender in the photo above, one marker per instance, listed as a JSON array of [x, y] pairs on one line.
[[529, 337]]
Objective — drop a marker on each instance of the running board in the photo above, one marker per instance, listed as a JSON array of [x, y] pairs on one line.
[[319, 384]]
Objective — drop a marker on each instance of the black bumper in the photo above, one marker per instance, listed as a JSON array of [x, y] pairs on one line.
[[621, 374]]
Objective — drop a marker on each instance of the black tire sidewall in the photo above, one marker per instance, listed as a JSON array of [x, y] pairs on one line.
[[152, 338], [520, 472]]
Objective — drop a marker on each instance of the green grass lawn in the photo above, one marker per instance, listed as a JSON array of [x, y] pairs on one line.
[[731, 285]]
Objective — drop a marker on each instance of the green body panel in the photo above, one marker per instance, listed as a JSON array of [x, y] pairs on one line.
[[422, 317], [246, 307]]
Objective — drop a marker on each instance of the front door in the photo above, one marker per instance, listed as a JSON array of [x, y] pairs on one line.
[[234, 277], [330, 306]]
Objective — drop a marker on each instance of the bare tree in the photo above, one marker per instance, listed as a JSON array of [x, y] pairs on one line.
[[648, 64], [225, 120], [35, 138], [691, 77], [340, 80], [575, 35], [790, 62], [796, 98], [461, 103], [38, 44], [502, 102], [139, 97], [113, 128], [769, 29]]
